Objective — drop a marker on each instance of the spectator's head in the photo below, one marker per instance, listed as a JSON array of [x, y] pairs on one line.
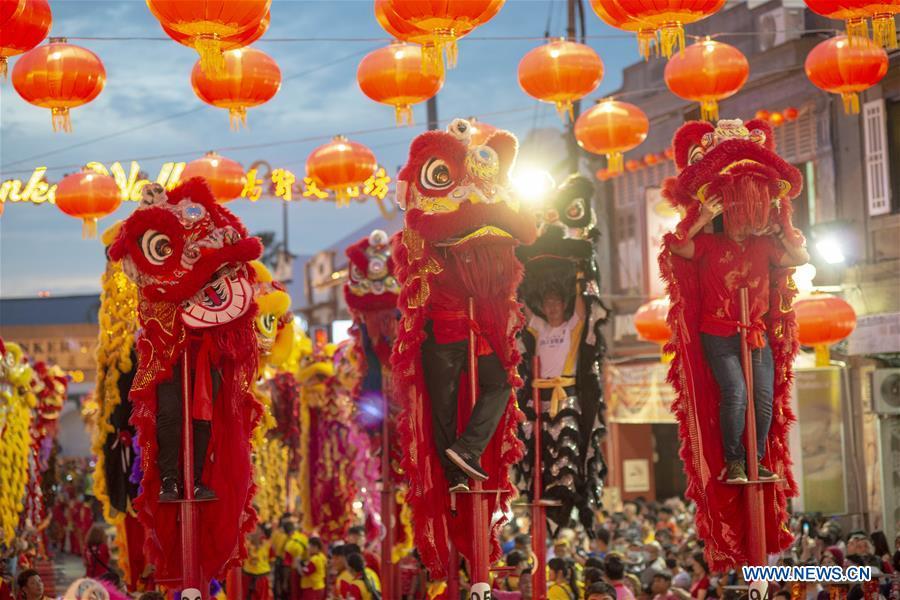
[[152, 596], [339, 557], [86, 589], [30, 584], [288, 526], [356, 563], [601, 539], [833, 557], [594, 562], [653, 550], [600, 591], [662, 581], [615, 567], [515, 558], [97, 535], [591, 575], [880, 544], [858, 543], [357, 535], [316, 545], [784, 594], [559, 569], [523, 542], [672, 564], [698, 565], [553, 304], [561, 548], [632, 581], [631, 510]]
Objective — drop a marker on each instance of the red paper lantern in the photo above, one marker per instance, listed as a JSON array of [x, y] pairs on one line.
[[823, 319], [441, 23], [612, 127], [762, 115], [650, 321], [225, 177], [776, 119], [791, 114], [341, 165], [209, 23], [651, 159], [250, 78], [59, 76], [839, 67], [666, 16], [855, 13], [233, 43], [612, 15], [707, 72], [669, 153], [633, 165], [23, 25], [395, 75], [560, 72], [88, 195], [603, 174]]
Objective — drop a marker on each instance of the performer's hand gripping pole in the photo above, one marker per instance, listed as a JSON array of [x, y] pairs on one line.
[[190, 541], [538, 510], [387, 504], [756, 539], [480, 521]]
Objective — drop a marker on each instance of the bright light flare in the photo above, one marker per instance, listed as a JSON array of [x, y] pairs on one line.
[[830, 250], [532, 185], [803, 278]]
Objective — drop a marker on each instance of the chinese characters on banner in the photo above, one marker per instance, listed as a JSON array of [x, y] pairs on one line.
[[283, 184]]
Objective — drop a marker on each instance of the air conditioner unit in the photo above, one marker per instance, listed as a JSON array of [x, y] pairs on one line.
[[886, 391], [778, 26]]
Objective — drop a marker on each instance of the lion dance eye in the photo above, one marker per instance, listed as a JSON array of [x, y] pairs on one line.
[[156, 247], [436, 175], [575, 210]]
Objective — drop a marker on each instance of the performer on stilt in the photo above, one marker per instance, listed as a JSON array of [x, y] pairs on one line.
[[462, 226], [188, 256], [561, 292], [736, 233]]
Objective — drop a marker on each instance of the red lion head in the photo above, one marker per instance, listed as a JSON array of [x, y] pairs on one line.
[[736, 162], [371, 283], [456, 192], [183, 247]]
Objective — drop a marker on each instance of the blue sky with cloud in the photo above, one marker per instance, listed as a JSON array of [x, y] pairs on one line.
[[148, 109]]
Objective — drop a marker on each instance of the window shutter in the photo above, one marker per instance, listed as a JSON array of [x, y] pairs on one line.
[[878, 185]]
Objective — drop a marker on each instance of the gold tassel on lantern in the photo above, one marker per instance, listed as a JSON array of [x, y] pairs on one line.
[[884, 30], [648, 43], [403, 114], [61, 121], [671, 37], [851, 103], [709, 110], [212, 61], [857, 29], [237, 118], [615, 162]]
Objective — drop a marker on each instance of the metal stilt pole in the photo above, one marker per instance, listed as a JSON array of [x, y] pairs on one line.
[[538, 510], [387, 506], [190, 539], [480, 564]]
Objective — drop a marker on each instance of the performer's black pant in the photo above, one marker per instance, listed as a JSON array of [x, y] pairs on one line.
[[169, 421], [442, 365]]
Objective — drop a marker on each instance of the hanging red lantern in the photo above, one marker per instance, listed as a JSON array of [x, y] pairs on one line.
[[762, 115], [651, 159], [560, 72], [612, 15], [669, 153], [244, 39], [442, 23], [340, 166], [791, 113], [225, 177], [776, 119], [633, 165], [25, 25], [839, 67], [650, 321], [668, 17], [855, 14], [612, 127], [822, 321], [59, 76], [208, 23], [250, 78], [603, 174], [88, 195], [707, 72], [395, 75]]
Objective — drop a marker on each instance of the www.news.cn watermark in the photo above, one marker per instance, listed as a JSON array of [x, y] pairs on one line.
[[852, 574]]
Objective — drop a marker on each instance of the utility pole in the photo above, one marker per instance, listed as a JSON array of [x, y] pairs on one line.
[[574, 7], [431, 107]]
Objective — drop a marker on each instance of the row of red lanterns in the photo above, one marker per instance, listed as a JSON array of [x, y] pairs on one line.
[[822, 320]]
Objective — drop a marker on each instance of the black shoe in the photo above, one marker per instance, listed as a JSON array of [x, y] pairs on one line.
[[460, 486], [735, 473], [766, 475], [201, 492], [467, 462], [170, 490]]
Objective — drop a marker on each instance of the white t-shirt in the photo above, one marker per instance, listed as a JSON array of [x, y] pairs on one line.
[[553, 344]]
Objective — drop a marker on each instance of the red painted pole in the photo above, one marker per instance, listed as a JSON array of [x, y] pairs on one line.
[[480, 564], [538, 518], [453, 574], [756, 537], [387, 505], [190, 556]]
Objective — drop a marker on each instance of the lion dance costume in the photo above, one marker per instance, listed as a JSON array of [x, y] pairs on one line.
[[188, 257], [461, 230], [562, 261], [371, 293], [737, 163]]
